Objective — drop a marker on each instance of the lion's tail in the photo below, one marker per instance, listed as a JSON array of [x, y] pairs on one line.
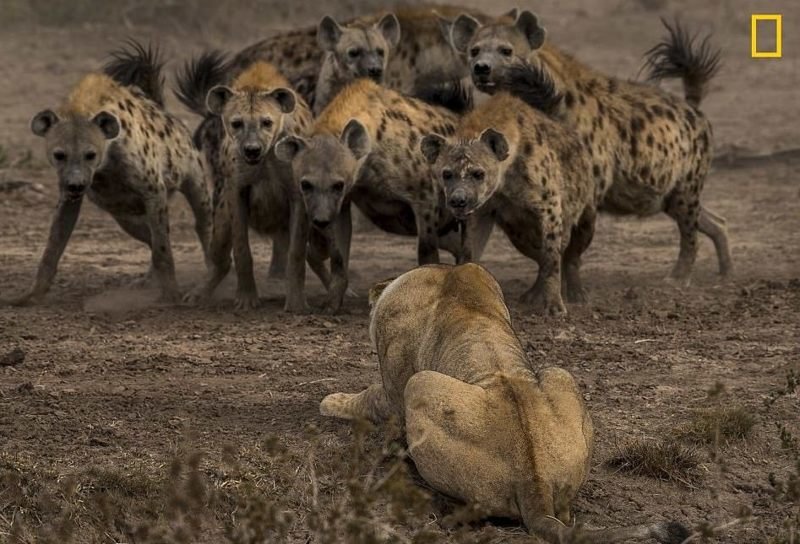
[[681, 56], [553, 530]]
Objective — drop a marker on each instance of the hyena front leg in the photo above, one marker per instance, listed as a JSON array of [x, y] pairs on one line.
[[196, 192], [160, 248], [427, 237], [61, 229], [246, 293], [296, 266], [545, 295], [339, 251], [219, 251], [280, 254]]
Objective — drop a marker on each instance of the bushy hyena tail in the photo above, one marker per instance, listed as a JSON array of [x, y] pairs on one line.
[[453, 94], [684, 56], [198, 76], [134, 65], [194, 80], [533, 85]]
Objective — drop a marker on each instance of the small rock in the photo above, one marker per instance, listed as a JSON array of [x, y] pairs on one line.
[[13, 358]]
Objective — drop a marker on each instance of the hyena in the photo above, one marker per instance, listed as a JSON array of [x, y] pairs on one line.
[[650, 150], [510, 161], [362, 149], [113, 141], [258, 191]]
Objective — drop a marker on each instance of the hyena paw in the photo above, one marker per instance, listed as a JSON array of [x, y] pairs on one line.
[[246, 301]]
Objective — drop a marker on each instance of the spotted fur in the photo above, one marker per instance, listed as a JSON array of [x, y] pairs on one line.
[[113, 142]]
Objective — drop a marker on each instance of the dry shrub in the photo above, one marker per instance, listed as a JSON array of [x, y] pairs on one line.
[[663, 460]]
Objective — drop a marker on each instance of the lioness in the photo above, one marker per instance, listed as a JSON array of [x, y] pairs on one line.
[[481, 425]]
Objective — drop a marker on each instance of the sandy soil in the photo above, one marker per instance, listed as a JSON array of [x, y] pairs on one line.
[[114, 381]]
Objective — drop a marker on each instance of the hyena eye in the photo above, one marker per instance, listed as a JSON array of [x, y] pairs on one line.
[[474, 51], [506, 51], [353, 53], [380, 52], [447, 175], [266, 123], [478, 175], [306, 186], [90, 156], [59, 156], [338, 187], [236, 124]]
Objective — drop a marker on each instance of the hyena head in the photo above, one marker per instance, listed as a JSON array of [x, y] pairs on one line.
[[491, 49], [253, 119], [326, 168], [76, 146], [468, 171], [359, 52]]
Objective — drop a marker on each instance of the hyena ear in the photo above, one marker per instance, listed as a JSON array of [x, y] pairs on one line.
[[528, 24], [285, 99], [513, 14], [376, 291], [445, 27], [108, 123], [328, 33], [355, 137], [43, 121], [431, 147], [288, 147], [389, 26], [496, 142], [217, 97], [464, 28]]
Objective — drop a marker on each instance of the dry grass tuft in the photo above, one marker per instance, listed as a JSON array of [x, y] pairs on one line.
[[717, 425], [665, 460]]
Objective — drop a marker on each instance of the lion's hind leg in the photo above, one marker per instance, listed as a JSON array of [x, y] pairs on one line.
[[453, 443], [372, 404]]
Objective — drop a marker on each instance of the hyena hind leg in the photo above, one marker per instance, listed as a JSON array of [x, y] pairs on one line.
[[372, 404], [582, 235], [715, 227], [137, 229], [196, 193]]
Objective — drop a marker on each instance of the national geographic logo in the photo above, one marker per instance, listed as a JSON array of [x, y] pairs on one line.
[[767, 23]]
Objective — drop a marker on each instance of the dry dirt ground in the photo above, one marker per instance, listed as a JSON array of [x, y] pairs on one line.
[[114, 387]]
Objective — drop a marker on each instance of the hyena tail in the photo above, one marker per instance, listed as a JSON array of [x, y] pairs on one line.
[[453, 94], [198, 76], [533, 85], [682, 55], [133, 65]]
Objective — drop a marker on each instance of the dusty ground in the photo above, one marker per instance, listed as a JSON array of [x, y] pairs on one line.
[[114, 387]]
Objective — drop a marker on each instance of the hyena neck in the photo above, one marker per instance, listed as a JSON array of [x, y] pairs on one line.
[[331, 80]]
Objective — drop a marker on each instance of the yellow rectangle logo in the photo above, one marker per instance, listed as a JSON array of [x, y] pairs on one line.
[[755, 53]]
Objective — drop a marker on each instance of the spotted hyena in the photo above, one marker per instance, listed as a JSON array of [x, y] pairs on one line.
[[256, 110], [363, 149], [650, 150], [511, 162], [113, 142]]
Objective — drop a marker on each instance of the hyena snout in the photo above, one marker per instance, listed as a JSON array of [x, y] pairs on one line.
[[481, 69], [458, 200], [75, 183], [252, 151], [375, 73]]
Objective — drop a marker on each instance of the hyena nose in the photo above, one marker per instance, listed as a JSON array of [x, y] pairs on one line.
[[481, 69], [376, 72], [458, 200], [75, 188], [321, 223], [252, 151]]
